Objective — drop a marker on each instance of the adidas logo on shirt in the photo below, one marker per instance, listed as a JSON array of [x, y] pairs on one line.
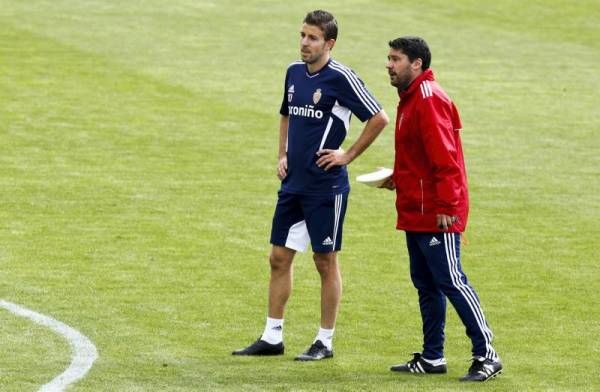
[[434, 241], [327, 241]]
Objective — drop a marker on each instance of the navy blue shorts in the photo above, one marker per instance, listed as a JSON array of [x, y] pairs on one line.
[[300, 219]]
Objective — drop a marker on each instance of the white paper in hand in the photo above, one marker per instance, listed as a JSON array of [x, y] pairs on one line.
[[376, 178]]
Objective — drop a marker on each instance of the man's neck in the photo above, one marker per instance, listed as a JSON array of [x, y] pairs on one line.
[[416, 76], [315, 67]]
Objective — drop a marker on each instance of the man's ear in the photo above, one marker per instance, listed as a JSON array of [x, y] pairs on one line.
[[417, 64], [330, 43]]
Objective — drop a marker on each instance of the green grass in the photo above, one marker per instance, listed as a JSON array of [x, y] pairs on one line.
[[137, 158]]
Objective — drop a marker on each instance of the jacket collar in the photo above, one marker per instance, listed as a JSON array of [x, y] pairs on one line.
[[426, 75]]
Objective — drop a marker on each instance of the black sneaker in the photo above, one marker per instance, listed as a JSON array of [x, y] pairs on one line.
[[419, 365], [260, 347], [315, 352], [482, 369]]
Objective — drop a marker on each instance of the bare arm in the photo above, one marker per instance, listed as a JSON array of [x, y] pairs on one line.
[[330, 158], [282, 154]]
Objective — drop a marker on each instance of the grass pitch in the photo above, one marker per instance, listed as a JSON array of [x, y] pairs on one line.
[[137, 165]]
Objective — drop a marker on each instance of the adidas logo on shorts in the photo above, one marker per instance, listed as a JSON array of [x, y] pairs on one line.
[[327, 241], [434, 241]]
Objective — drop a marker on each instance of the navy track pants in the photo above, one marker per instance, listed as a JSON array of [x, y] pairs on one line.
[[436, 273]]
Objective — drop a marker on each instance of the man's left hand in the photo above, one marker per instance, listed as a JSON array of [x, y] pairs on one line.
[[444, 222], [330, 158]]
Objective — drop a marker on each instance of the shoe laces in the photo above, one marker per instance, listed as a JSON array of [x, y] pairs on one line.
[[413, 362], [477, 365], [315, 348]]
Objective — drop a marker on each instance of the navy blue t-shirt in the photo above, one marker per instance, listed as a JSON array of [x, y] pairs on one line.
[[319, 107]]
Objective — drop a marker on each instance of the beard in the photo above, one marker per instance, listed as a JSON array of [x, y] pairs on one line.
[[401, 82], [311, 58]]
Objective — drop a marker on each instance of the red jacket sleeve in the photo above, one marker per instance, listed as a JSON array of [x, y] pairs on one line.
[[439, 123]]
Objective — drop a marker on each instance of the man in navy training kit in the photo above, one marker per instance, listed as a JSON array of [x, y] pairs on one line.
[[319, 98], [432, 205]]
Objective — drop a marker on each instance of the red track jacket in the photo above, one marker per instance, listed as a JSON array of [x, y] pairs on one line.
[[429, 169]]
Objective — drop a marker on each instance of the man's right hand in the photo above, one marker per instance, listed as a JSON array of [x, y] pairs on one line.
[[282, 168], [388, 184]]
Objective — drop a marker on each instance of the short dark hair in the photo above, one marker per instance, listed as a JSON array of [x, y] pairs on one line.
[[323, 20], [414, 48]]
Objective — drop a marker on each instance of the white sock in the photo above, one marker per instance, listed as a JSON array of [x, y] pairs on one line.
[[273, 333], [326, 337]]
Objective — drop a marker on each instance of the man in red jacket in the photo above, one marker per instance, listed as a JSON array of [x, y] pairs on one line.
[[432, 204]]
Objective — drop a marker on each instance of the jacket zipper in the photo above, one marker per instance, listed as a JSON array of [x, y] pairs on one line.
[[422, 197]]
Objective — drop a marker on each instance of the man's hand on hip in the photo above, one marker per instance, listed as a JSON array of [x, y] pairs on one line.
[[330, 158]]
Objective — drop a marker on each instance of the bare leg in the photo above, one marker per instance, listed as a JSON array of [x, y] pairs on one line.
[[331, 287], [280, 285]]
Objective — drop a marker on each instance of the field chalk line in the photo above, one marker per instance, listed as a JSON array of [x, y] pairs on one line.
[[84, 352]]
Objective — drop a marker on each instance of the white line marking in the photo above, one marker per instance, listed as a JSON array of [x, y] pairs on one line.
[[84, 352]]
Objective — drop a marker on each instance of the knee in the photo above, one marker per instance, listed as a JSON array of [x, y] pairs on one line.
[[279, 262], [322, 268], [325, 264], [425, 287], [419, 283]]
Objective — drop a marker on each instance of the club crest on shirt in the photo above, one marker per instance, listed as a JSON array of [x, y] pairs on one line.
[[290, 93], [317, 96]]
